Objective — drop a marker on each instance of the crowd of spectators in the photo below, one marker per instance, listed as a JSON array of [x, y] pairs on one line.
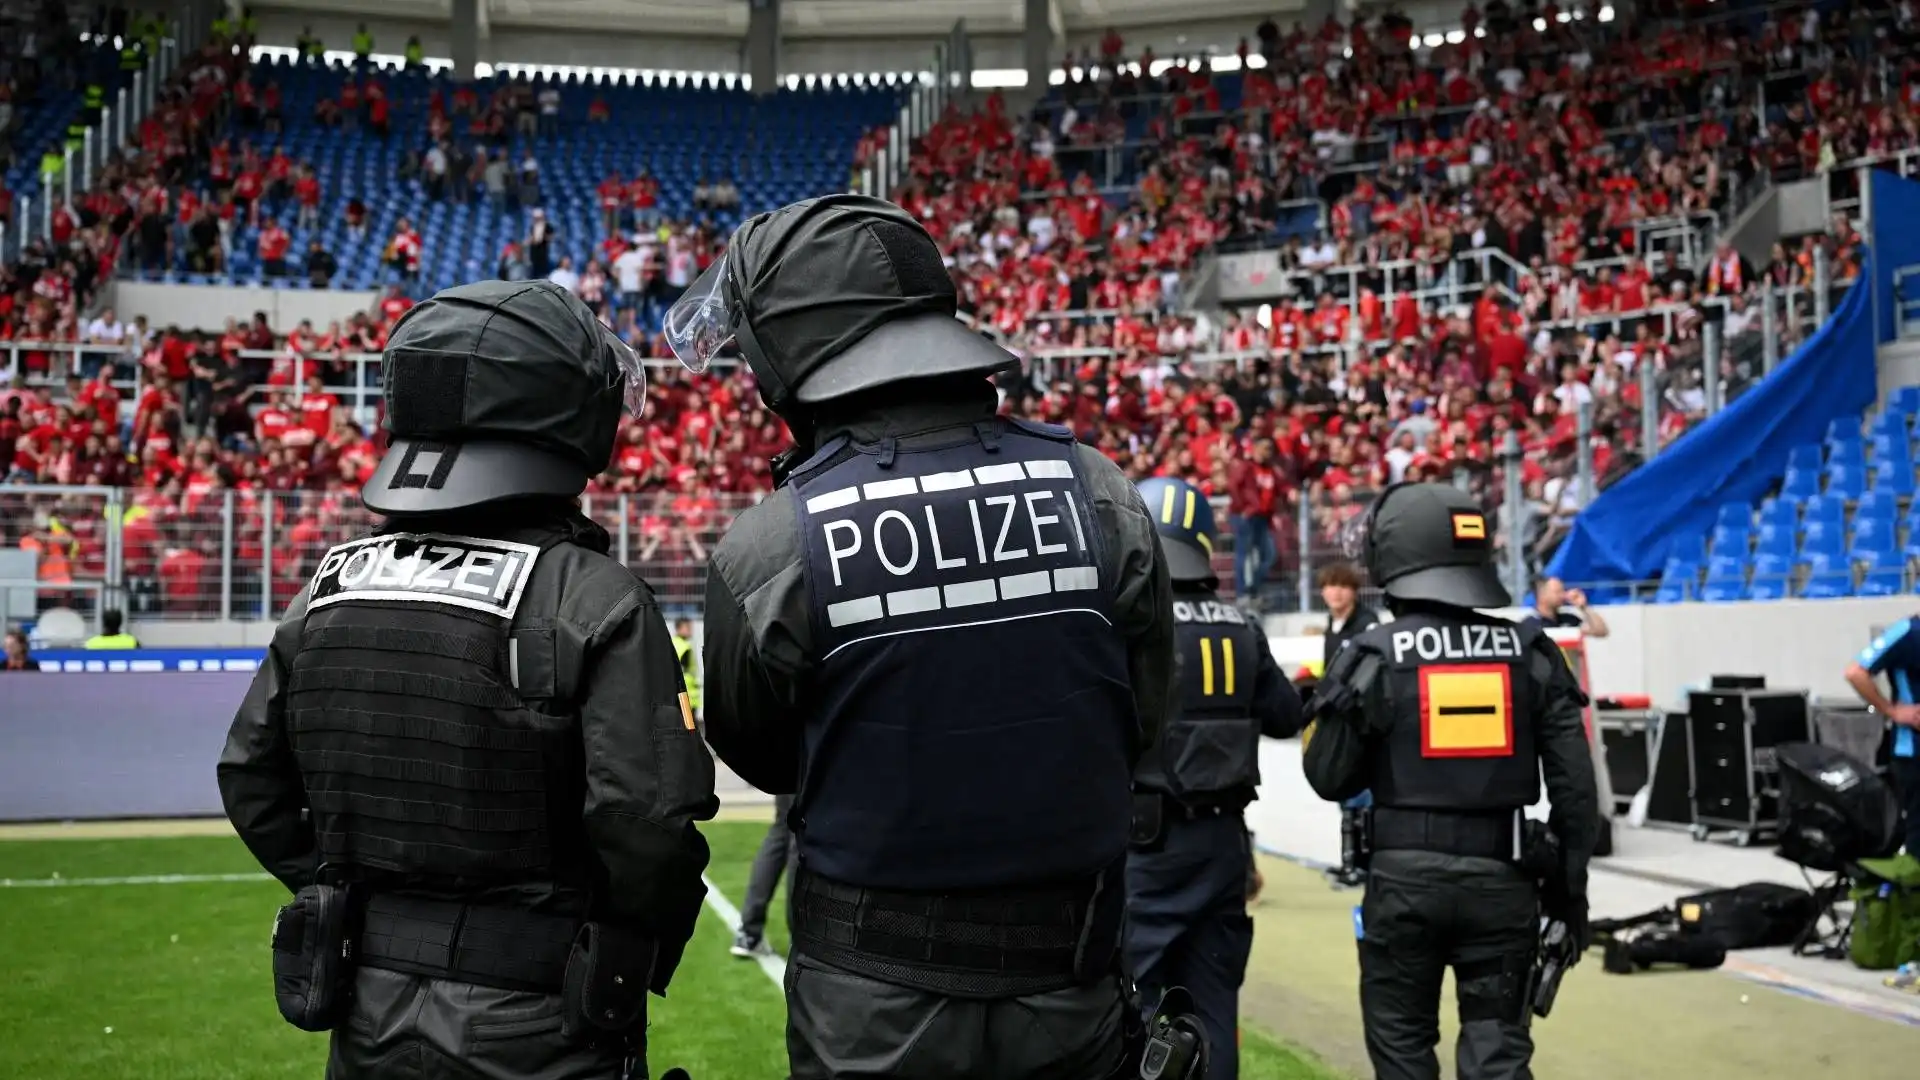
[[1358, 374]]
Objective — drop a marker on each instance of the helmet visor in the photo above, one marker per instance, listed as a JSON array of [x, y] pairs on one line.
[[1353, 535], [631, 371], [700, 324]]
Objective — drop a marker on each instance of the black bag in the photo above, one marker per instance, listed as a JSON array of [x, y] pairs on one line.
[[1748, 917], [313, 957], [607, 977]]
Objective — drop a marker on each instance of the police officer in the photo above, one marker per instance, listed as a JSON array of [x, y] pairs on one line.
[[951, 635], [362, 45], [473, 719], [1347, 618], [689, 666], [1450, 717], [1189, 873], [415, 53]]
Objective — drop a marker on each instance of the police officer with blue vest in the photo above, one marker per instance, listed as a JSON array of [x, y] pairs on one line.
[[1451, 717], [1895, 653], [468, 751], [1188, 872], [950, 635]]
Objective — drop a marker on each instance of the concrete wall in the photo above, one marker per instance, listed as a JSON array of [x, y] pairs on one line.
[[208, 307]]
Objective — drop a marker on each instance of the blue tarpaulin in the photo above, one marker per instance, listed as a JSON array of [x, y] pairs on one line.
[[1733, 457]]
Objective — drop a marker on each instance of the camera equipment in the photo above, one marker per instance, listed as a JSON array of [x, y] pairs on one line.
[[1834, 812]]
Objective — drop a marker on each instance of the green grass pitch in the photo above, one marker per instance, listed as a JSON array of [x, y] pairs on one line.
[[171, 981]]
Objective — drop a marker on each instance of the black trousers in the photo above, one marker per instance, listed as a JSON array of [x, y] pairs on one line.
[[774, 858], [1906, 781], [842, 1026], [1424, 913], [1187, 925], [409, 1027]]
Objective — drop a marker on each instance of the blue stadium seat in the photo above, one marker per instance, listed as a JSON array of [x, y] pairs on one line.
[[1843, 429], [1829, 577], [1872, 535], [1878, 503], [1806, 457], [1731, 541], [1850, 451], [1906, 400], [1779, 513], [1776, 540], [1828, 508], [1772, 577], [1822, 539], [1886, 574], [1677, 581], [1894, 477], [1847, 479], [1734, 516], [1800, 484]]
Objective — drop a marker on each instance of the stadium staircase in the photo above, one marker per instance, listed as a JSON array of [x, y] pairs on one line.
[[42, 123], [777, 149]]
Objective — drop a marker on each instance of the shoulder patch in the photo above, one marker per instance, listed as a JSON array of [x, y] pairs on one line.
[[487, 576]]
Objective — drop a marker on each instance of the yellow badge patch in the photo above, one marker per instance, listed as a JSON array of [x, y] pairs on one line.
[[1466, 710], [1469, 527]]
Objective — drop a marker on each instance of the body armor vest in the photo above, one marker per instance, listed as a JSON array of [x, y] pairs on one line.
[[1209, 755], [971, 714], [419, 756], [1461, 702]]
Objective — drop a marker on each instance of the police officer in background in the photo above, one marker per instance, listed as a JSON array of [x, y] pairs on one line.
[[689, 664], [1188, 875], [951, 635], [1347, 618], [1450, 717], [474, 721]]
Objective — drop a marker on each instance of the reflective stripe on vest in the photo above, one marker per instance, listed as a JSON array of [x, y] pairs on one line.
[[971, 711]]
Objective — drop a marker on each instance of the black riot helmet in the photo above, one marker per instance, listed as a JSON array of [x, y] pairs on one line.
[[1429, 542], [826, 298], [498, 390]]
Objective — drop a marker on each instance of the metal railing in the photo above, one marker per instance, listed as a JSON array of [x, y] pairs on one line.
[[221, 553]]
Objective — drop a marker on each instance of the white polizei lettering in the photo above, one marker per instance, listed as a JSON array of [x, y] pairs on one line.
[[835, 554], [1074, 578], [1427, 640], [508, 573], [1050, 470], [1402, 641], [913, 601], [1019, 586], [1073, 512], [833, 500], [969, 593], [358, 568], [880, 543], [848, 612], [1000, 552], [979, 538], [1182, 611], [393, 570], [946, 481], [999, 474], [891, 489], [435, 576], [940, 561], [482, 563], [1037, 519], [1449, 647], [329, 564]]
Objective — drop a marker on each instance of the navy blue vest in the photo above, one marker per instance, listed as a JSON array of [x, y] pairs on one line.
[[1209, 755], [968, 722]]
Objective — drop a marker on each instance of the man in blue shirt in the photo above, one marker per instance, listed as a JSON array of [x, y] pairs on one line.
[[1896, 653]]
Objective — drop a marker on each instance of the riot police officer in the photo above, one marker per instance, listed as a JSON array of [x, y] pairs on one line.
[[468, 745], [950, 634], [1188, 875], [1450, 717]]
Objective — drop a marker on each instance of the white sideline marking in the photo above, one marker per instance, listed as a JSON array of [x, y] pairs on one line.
[[145, 879], [773, 964]]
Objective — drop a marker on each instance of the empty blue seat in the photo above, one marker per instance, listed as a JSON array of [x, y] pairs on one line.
[[1728, 568], [1847, 479], [1843, 428], [1730, 541], [1772, 576], [1906, 399], [1885, 575], [1734, 516], [1677, 581], [1822, 539], [1828, 508], [1775, 540], [1850, 450], [1893, 477], [1872, 535], [1828, 577], [1805, 457], [1878, 503], [1800, 484], [1778, 512]]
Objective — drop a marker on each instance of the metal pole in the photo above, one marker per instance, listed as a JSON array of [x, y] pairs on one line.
[[1649, 409], [226, 556], [1514, 514], [1305, 525], [116, 553], [120, 118], [1583, 453], [866, 179], [1769, 335], [266, 560], [86, 160], [66, 180], [147, 88], [623, 537], [1820, 286], [1710, 367]]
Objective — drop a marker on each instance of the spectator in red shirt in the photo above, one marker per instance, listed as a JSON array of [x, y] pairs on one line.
[[1254, 497], [317, 408], [273, 245]]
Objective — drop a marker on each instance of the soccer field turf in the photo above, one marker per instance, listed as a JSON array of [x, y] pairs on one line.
[[170, 981]]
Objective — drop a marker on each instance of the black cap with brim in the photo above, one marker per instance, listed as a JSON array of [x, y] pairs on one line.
[[421, 477], [1461, 586], [1186, 562], [916, 347]]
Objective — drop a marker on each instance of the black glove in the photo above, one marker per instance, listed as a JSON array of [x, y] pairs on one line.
[[1573, 912]]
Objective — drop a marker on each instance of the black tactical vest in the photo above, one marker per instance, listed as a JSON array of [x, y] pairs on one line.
[[1209, 756], [969, 718], [1461, 700], [419, 756]]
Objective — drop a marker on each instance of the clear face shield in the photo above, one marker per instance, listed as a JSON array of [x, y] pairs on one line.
[[632, 372], [700, 325]]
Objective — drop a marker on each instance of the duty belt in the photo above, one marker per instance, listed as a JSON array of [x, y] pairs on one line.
[[487, 946], [1477, 834], [990, 945]]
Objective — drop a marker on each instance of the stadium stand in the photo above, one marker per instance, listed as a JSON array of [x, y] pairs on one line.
[[1481, 238]]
